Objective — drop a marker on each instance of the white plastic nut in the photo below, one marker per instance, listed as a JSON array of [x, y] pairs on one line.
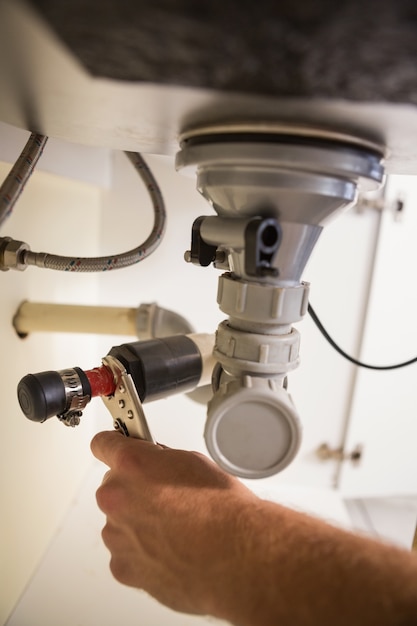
[[256, 353], [262, 303]]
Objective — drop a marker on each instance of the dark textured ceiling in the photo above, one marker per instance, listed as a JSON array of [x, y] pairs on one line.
[[349, 49]]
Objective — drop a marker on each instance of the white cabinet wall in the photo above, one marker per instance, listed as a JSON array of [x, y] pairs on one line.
[[42, 466], [384, 410]]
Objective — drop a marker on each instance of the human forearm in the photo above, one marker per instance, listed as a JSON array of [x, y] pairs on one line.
[[295, 569], [200, 542]]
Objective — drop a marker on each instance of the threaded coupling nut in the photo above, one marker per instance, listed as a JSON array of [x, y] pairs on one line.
[[12, 254]]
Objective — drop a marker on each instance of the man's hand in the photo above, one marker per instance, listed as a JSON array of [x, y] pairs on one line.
[[200, 542], [175, 522]]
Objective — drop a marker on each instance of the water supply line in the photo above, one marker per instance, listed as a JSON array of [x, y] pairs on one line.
[[18, 255], [20, 173]]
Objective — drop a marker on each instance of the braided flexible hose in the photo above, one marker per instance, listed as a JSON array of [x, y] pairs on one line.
[[20, 173], [13, 186], [117, 261]]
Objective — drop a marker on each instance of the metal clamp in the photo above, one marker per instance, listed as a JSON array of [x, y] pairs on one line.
[[75, 398]]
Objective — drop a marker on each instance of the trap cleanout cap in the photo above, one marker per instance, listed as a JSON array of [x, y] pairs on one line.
[[252, 431]]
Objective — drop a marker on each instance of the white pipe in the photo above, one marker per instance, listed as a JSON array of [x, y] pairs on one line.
[[145, 322], [39, 316]]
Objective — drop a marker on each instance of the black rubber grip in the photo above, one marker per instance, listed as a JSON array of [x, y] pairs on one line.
[[161, 367], [41, 395]]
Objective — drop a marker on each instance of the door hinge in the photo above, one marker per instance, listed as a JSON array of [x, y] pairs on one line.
[[325, 453]]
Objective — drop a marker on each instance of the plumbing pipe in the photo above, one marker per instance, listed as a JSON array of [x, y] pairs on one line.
[[146, 322]]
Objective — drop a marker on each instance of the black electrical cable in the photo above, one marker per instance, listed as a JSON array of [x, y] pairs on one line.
[[334, 345]]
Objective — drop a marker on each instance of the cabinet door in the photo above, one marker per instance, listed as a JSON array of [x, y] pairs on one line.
[[384, 409]]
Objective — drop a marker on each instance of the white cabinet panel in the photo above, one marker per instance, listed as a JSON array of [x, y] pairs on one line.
[[384, 411], [41, 466]]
